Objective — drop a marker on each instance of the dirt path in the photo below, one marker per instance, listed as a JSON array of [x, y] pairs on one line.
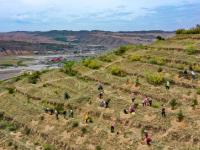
[[102, 68]]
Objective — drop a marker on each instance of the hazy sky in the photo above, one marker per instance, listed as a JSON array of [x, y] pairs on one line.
[[115, 15]]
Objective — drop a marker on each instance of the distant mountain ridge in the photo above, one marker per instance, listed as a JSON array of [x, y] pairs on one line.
[[25, 42]]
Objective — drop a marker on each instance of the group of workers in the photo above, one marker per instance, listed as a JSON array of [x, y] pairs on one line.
[[147, 101], [103, 103], [188, 73], [51, 111]]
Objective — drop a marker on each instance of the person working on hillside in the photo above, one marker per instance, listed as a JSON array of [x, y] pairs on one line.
[[51, 111], [133, 97], [132, 109], [190, 67], [112, 128], [46, 110], [193, 75], [185, 72], [107, 103], [145, 101], [71, 113], [64, 113], [100, 87], [100, 95], [125, 111], [167, 85], [147, 138], [88, 119], [163, 113], [150, 101], [103, 103], [56, 113]]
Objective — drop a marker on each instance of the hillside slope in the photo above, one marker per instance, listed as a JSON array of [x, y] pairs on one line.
[[25, 125]]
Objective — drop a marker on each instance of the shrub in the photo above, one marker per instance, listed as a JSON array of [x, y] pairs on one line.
[[66, 96], [194, 103], [83, 130], [160, 38], [142, 131], [106, 58], [160, 69], [157, 61], [48, 147], [198, 91], [180, 31], [155, 78], [117, 71], [10, 143], [68, 68], [98, 147], [41, 118], [156, 105], [122, 50], [11, 90], [20, 63], [59, 107], [7, 125], [3, 125], [195, 30], [16, 79], [33, 78], [92, 64], [137, 81], [173, 104], [179, 66], [191, 50], [75, 124], [11, 127], [180, 116], [27, 131], [135, 57], [196, 68]]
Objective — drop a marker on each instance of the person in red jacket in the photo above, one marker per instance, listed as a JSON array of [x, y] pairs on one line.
[[147, 138]]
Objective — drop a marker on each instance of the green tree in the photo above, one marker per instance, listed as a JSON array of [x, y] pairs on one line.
[[160, 38], [68, 68], [180, 116], [194, 103], [33, 78], [137, 81], [173, 104]]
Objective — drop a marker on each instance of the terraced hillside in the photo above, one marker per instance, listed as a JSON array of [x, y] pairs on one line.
[[143, 70]]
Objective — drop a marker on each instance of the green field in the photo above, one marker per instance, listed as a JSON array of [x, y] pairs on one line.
[[9, 61]]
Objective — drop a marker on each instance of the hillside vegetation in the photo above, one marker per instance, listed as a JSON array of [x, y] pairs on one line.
[[142, 70], [195, 30]]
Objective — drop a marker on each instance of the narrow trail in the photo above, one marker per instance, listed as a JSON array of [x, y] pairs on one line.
[[102, 68]]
